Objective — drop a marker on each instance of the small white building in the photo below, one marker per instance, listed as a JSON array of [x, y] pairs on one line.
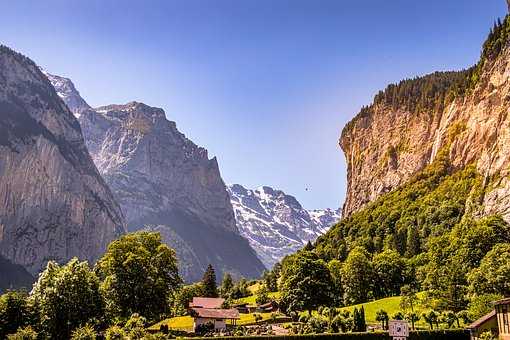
[[216, 317]]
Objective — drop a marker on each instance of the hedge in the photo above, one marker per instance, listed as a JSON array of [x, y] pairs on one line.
[[449, 334]]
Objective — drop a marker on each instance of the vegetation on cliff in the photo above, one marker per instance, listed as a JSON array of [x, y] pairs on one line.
[[433, 92]]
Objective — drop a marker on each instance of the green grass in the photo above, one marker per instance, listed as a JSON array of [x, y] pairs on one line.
[[251, 300], [185, 323]]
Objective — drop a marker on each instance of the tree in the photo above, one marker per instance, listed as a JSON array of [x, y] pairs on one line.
[[15, 312], [139, 273], [226, 286], [449, 318], [270, 280], [408, 301], [359, 320], [493, 275], [412, 317], [382, 317], [305, 282], [209, 282], [431, 317], [66, 297], [183, 296], [262, 295], [389, 270], [335, 269], [481, 305], [357, 276]]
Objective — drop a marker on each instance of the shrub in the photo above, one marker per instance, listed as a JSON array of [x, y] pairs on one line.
[[86, 332], [115, 333], [26, 333]]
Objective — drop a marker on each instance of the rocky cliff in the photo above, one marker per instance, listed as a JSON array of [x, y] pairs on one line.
[[53, 202], [464, 114], [164, 182], [275, 223]]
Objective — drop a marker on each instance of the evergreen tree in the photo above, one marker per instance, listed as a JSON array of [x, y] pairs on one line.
[[226, 286], [209, 282], [309, 246], [362, 321]]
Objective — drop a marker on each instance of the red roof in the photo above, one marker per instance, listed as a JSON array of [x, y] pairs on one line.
[[482, 320], [203, 302], [211, 313]]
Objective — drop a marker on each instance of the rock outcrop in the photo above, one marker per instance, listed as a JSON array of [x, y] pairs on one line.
[[53, 202], [275, 223], [385, 145], [164, 182]]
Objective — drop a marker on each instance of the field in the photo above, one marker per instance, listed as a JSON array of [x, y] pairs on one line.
[[251, 299], [185, 323]]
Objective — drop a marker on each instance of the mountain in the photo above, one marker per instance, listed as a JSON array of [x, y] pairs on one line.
[[428, 190], [463, 114], [275, 223], [54, 204], [164, 182]]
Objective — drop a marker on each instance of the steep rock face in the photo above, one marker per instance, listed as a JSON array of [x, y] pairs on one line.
[[385, 146], [164, 182], [275, 223], [53, 203]]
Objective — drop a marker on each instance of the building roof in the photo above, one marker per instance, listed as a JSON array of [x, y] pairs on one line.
[[204, 302], [213, 313], [505, 301], [482, 320]]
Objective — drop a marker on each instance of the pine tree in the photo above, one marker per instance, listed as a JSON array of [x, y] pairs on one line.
[[226, 285], [355, 319], [309, 246], [209, 282], [362, 321]]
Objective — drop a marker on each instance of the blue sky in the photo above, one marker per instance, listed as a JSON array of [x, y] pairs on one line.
[[266, 86]]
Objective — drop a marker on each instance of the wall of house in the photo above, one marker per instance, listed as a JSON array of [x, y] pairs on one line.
[[491, 325], [219, 324], [503, 319]]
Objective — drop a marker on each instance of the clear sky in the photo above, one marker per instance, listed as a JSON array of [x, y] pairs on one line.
[[264, 85]]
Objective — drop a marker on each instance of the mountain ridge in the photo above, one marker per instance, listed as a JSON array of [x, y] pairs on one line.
[[275, 223], [54, 204], [165, 182]]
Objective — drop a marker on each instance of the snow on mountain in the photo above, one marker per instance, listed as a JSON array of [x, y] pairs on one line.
[[275, 223]]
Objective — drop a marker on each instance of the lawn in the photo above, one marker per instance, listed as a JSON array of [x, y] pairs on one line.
[[251, 299], [185, 323]]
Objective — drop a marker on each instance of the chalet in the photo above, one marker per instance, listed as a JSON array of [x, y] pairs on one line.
[[204, 302], [216, 317], [241, 307], [497, 322], [502, 308], [271, 306]]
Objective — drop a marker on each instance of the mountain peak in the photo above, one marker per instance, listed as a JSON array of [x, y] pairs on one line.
[[68, 93], [275, 223]]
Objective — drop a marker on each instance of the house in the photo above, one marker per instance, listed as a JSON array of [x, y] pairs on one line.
[[204, 302], [216, 317], [271, 306], [502, 308], [241, 308], [487, 322], [497, 321]]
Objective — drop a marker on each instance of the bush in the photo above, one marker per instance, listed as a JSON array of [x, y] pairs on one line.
[[86, 332], [26, 333], [415, 335], [115, 333]]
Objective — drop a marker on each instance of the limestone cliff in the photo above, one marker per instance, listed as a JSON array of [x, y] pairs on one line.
[[53, 202], [466, 116]]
